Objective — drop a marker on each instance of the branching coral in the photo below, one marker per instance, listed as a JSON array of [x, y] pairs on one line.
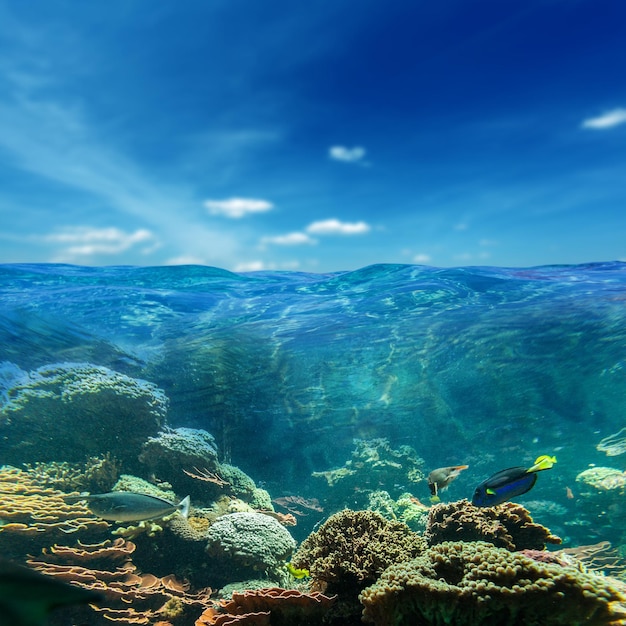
[[507, 525], [69, 411], [272, 605], [352, 548], [467, 584]]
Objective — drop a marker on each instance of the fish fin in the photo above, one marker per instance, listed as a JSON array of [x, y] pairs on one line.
[[83, 497], [491, 492], [183, 506], [458, 468]]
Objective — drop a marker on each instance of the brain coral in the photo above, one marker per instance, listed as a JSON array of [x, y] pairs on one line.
[[250, 541], [507, 525], [467, 584], [352, 548], [69, 411]]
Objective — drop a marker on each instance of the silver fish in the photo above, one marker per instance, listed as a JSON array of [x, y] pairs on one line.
[[126, 506]]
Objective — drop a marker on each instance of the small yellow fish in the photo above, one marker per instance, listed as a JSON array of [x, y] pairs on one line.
[[542, 462], [297, 573]]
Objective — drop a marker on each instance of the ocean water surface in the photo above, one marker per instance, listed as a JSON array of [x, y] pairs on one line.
[[310, 383]]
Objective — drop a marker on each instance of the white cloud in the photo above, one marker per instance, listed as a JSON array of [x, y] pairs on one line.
[[335, 227], [250, 266], [422, 258], [85, 241], [290, 239], [606, 120], [185, 260], [236, 208], [348, 155]]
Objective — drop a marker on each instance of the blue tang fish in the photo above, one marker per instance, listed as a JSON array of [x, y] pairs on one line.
[[511, 482]]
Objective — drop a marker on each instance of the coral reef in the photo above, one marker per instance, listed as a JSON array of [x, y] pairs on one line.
[[71, 411], [374, 465], [613, 445], [130, 597], [174, 450], [97, 474], [598, 479], [476, 583], [406, 508], [243, 487], [272, 605], [33, 516], [601, 503], [352, 548], [128, 482], [249, 542], [507, 525]]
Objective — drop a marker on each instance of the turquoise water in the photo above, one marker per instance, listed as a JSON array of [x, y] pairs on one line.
[[484, 366]]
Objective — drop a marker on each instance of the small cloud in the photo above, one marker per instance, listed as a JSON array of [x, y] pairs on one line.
[[236, 208], [290, 239], [185, 260], [348, 155], [258, 266], [606, 120], [461, 226], [250, 266], [335, 227], [421, 258], [85, 241]]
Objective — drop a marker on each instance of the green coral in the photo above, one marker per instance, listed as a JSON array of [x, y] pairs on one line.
[[244, 488], [373, 465], [70, 411], [249, 542], [467, 584], [405, 509], [128, 482]]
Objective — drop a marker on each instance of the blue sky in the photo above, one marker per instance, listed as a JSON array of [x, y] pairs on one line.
[[314, 136]]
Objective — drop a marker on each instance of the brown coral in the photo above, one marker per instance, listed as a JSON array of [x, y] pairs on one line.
[[507, 525], [280, 607], [352, 548], [476, 583], [34, 516], [129, 596]]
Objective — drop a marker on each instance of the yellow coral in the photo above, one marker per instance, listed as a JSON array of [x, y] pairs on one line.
[[199, 524]]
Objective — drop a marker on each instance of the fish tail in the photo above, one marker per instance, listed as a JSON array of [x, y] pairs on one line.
[[543, 462], [183, 506]]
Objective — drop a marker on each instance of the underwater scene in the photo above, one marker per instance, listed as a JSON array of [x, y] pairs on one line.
[[397, 445]]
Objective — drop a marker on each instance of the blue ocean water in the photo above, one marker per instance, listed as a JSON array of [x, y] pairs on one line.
[[485, 366]]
